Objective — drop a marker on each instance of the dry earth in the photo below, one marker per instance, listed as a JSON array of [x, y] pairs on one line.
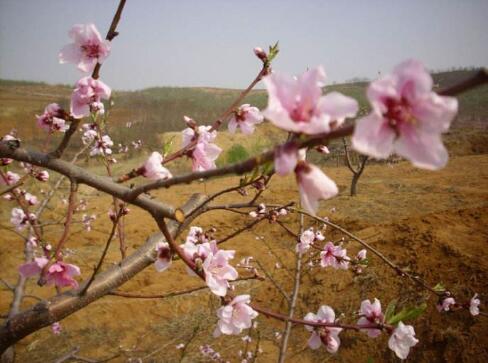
[[433, 223]]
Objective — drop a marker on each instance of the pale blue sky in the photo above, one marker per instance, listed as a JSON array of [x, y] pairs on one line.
[[210, 42]]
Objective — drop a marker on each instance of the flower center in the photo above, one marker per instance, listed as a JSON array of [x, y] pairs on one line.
[[91, 50], [399, 112], [301, 113]]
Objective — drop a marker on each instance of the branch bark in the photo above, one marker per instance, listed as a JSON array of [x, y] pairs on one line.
[[63, 305]]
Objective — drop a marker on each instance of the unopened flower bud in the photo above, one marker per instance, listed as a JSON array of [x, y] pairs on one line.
[[261, 54], [190, 122]]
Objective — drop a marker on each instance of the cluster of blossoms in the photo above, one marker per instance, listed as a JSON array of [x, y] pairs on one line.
[[86, 220], [208, 352], [102, 146], [205, 152], [272, 214], [330, 254], [20, 219], [307, 239], [9, 178], [29, 198], [52, 119], [449, 304], [213, 262], [407, 118], [87, 97], [88, 49], [371, 321]]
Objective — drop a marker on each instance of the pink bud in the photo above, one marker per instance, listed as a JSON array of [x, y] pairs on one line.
[[261, 54]]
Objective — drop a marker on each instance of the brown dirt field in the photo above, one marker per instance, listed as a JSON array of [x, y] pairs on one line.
[[433, 223]]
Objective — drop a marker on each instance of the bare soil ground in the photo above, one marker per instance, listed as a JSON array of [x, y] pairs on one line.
[[432, 223]]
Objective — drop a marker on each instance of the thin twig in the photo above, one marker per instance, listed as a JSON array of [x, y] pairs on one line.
[[274, 282], [293, 298], [105, 250], [133, 295]]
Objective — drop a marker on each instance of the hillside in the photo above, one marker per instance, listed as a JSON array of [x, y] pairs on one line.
[[160, 109]]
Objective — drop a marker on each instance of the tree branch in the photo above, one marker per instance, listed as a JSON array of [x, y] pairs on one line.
[[60, 306]]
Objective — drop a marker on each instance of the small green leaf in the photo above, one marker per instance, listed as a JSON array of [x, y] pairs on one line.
[[167, 146], [439, 287], [415, 312], [364, 262], [390, 309], [267, 168], [273, 52], [409, 314]]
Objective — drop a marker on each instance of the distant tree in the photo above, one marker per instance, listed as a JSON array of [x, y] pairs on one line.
[[357, 170]]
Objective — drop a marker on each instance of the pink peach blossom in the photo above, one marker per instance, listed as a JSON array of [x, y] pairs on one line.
[[87, 95], [196, 235], [371, 313], [235, 317], [34, 267], [89, 133], [52, 119], [56, 328], [88, 48], [323, 149], [246, 117], [9, 178], [41, 175], [61, 274], [474, 305], [402, 339], [87, 220], [32, 241], [328, 336], [306, 239], [296, 103], [154, 169], [313, 185], [30, 199], [102, 146], [285, 159], [334, 256], [361, 255], [20, 220], [205, 152], [218, 271], [164, 256], [407, 118], [445, 304]]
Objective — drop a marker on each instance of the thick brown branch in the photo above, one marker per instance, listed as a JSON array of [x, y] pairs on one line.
[[60, 306], [82, 176], [478, 79], [242, 167]]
